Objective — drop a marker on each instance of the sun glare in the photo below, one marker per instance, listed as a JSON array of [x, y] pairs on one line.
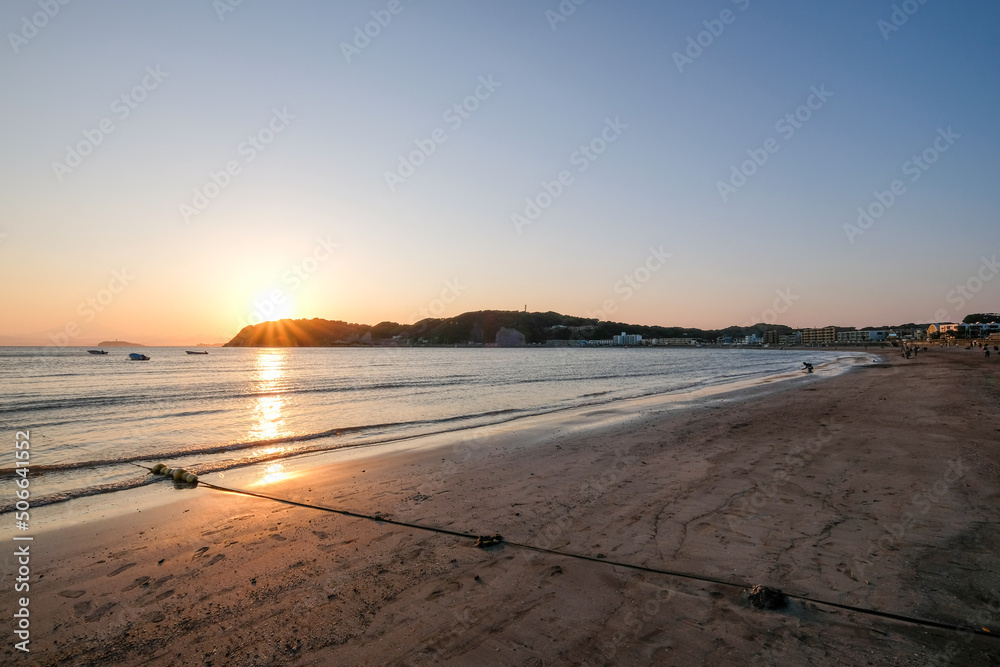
[[274, 473], [268, 420]]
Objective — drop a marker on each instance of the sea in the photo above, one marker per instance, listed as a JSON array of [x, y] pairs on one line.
[[92, 421]]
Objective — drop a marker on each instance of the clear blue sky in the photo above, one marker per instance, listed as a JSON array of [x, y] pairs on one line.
[[311, 226]]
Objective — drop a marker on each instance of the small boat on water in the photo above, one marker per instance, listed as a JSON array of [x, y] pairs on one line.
[[191, 352], [135, 356], [97, 351]]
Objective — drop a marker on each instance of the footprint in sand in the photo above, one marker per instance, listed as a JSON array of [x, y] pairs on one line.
[[450, 587], [100, 612], [159, 598], [199, 552], [703, 528], [320, 534], [71, 594], [277, 537], [141, 581], [215, 560], [89, 614], [122, 569]]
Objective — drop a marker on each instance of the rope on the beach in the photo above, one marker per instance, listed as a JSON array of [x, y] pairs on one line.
[[496, 540]]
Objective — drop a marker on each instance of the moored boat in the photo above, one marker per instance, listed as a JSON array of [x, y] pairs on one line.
[[135, 356], [97, 351], [194, 352]]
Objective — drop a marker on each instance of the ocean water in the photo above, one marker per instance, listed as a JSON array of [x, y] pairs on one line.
[[92, 418]]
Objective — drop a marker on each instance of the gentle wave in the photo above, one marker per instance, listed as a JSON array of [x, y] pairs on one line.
[[94, 424]]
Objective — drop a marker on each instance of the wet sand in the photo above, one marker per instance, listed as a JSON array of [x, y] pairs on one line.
[[879, 488]]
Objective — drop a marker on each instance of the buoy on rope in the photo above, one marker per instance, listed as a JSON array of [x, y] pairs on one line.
[[178, 474]]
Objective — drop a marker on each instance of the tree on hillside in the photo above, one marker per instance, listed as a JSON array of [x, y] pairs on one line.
[[981, 318]]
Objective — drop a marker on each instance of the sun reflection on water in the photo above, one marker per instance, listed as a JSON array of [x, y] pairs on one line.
[[268, 420]]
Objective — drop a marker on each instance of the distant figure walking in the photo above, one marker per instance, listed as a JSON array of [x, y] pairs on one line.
[[987, 352], [808, 368]]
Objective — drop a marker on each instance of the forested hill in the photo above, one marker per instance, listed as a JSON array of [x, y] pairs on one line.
[[475, 328]]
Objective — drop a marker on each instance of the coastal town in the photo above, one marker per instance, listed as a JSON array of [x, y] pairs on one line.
[[949, 333]]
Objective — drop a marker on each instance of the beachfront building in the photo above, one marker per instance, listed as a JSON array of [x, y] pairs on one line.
[[671, 341], [853, 336], [824, 335], [963, 330], [863, 336], [627, 339], [938, 328]]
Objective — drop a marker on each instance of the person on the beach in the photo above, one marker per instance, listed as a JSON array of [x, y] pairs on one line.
[[987, 352]]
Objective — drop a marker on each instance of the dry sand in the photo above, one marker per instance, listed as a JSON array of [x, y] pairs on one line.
[[876, 488]]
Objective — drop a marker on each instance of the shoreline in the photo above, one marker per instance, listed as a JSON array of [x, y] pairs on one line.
[[875, 488], [675, 399]]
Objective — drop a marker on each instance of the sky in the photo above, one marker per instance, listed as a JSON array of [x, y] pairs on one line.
[[172, 172]]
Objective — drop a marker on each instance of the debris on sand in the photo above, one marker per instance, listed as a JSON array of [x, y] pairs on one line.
[[484, 541], [763, 597]]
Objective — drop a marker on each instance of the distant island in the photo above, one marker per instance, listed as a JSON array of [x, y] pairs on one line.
[[118, 343], [507, 328]]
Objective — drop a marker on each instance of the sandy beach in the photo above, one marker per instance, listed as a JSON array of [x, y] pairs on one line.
[[877, 488]]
